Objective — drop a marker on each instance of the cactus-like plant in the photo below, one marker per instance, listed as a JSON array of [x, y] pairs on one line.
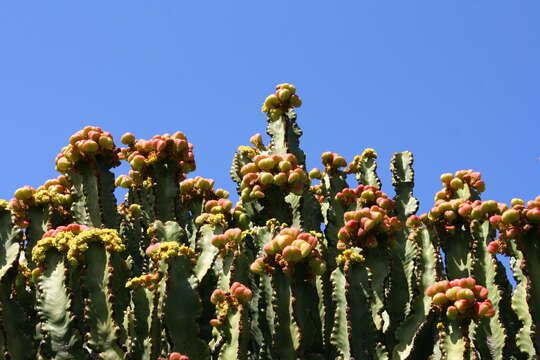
[[303, 266]]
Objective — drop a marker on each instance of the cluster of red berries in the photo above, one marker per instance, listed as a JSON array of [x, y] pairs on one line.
[[143, 153], [363, 227], [461, 299], [282, 100], [55, 193], [288, 248], [200, 187], [238, 294], [449, 215], [456, 182], [332, 161], [228, 241], [85, 144], [515, 222], [215, 212], [177, 356], [267, 170]]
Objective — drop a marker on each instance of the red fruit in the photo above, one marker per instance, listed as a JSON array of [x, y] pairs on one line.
[[24, 193], [127, 139], [446, 178], [343, 234], [315, 174], [106, 143], [89, 146], [533, 215], [468, 283], [266, 178], [137, 163], [493, 247], [456, 184], [440, 299], [219, 241], [510, 216], [327, 158], [258, 266], [217, 296], [465, 210], [352, 226], [271, 247], [284, 240], [451, 293], [432, 290], [292, 254], [452, 313], [266, 164], [443, 285], [466, 294], [462, 305]]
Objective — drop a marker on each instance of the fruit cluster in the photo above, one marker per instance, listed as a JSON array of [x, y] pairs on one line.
[[75, 239], [288, 248], [228, 241], [332, 162], [86, 144], [461, 299], [55, 193], [143, 153], [281, 101], [148, 281], [177, 356], [200, 187], [364, 227], [458, 181], [365, 196], [449, 215], [216, 212], [515, 222], [267, 170], [238, 294]]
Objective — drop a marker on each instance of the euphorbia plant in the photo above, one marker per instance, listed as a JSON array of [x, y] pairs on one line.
[[304, 265]]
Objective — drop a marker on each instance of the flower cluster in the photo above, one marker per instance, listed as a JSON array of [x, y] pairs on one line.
[[167, 250], [348, 257], [282, 100], [461, 299], [149, 281], [363, 227], [86, 144], [456, 182], [238, 294], [267, 170], [143, 153], [515, 222], [55, 193], [75, 239], [288, 248], [228, 241], [367, 154]]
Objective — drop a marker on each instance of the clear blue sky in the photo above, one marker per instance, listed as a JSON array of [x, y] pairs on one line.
[[456, 82]]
